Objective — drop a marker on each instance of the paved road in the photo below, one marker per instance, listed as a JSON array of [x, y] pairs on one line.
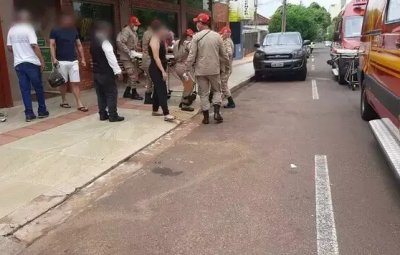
[[248, 186]]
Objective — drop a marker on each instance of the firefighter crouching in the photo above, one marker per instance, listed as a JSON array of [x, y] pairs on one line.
[[181, 52]]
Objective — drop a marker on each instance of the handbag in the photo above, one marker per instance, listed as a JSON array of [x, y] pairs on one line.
[[55, 78]]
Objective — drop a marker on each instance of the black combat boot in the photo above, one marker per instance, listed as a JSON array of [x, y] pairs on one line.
[[147, 98], [116, 118], [135, 95], [206, 119], [185, 106], [231, 103], [127, 93], [104, 116], [217, 114]]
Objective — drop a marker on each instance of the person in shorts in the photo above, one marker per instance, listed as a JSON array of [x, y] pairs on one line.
[[64, 43]]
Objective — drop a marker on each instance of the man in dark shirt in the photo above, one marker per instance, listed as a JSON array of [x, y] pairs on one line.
[[64, 42]]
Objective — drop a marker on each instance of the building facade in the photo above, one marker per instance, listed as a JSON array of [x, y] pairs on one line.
[[178, 14], [334, 9]]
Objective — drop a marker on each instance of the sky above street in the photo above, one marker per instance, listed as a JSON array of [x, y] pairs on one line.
[[268, 7]]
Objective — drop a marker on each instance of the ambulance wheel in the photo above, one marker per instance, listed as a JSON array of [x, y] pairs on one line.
[[367, 112], [342, 69]]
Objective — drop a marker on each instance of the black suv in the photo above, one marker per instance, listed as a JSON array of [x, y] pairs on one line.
[[281, 53]]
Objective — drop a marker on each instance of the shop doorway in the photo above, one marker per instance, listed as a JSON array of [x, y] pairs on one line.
[[5, 89], [89, 12]]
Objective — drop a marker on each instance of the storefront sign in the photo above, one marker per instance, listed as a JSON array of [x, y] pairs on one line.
[[241, 10], [247, 9], [234, 15]]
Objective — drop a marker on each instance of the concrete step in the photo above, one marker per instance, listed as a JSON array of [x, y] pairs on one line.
[[388, 136]]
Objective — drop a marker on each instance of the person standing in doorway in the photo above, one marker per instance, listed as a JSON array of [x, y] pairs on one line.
[[105, 68], [28, 63], [146, 64], [206, 53], [181, 52], [157, 70], [128, 49], [226, 70], [64, 43]]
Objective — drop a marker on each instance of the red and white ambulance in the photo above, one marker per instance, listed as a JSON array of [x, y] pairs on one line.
[[346, 42]]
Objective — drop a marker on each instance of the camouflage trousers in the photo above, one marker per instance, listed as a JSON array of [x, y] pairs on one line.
[[206, 84], [225, 74], [132, 70], [188, 85], [145, 67]]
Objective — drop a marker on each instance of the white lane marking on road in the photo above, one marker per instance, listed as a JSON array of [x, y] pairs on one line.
[[312, 59], [321, 78], [315, 94], [326, 230]]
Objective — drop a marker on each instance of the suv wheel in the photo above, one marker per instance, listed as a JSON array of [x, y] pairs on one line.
[[367, 112], [258, 76], [302, 76]]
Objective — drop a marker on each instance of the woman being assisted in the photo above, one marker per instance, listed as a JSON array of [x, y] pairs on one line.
[[157, 70], [181, 52]]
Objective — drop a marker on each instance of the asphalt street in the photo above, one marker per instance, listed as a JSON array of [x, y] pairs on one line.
[[292, 170]]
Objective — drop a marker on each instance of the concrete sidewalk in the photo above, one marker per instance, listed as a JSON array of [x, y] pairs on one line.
[[45, 161]]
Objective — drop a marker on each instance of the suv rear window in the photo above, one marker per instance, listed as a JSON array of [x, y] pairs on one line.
[[393, 12]]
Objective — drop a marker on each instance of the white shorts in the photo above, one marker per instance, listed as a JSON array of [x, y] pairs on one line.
[[70, 70]]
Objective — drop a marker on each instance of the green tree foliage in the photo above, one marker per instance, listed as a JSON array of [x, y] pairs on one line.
[[312, 22]]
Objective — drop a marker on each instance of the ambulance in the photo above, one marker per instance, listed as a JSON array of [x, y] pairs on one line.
[[379, 75], [346, 42]]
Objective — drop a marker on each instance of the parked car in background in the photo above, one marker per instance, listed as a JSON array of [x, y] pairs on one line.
[[379, 73], [328, 43], [281, 54]]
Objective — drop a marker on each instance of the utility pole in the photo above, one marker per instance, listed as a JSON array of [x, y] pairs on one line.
[[284, 16], [255, 13]]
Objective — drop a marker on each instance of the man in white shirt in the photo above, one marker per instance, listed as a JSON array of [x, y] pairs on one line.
[[105, 68], [28, 63]]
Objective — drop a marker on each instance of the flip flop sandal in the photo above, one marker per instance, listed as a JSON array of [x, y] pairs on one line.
[[65, 105], [83, 109]]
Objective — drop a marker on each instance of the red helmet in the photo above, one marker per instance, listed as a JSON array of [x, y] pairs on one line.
[[189, 32], [225, 30], [203, 18], [134, 21]]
